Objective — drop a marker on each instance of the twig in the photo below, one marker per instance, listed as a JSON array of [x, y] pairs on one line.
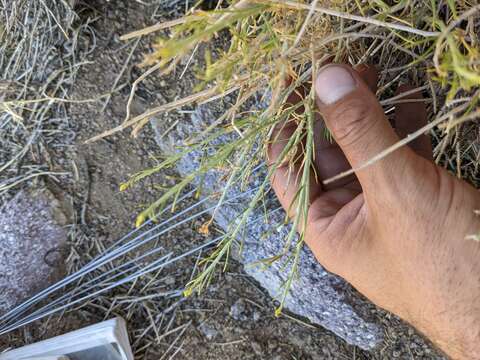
[[120, 74], [405, 141], [311, 11], [142, 77], [402, 95], [157, 27], [367, 20]]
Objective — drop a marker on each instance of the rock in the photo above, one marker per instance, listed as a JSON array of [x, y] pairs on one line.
[[256, 315], [208, 331], [238, 310], [317, 295], [257, 348], [32, 246]]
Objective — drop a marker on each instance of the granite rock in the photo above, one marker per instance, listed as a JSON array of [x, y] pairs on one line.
[[32, 246], [316, 294]]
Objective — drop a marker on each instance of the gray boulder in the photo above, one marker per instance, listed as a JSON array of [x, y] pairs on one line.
[[32, 246], [323, 298]]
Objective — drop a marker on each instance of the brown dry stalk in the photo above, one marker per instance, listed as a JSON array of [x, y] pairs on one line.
[[142, 77], [155, 111], [230, 112], [393, 99], [157, 27], [168, 24], [406, 140], [139, 121], [368, 20]]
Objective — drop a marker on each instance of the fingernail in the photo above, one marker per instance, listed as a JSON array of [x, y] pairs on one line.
[[333, 83]]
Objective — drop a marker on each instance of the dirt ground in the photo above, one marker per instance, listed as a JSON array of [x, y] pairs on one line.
[[234, 318]]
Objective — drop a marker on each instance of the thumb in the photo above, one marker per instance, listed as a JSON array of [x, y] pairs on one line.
[[357, 121]]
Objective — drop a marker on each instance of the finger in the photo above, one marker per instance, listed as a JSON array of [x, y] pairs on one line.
[[283, 131], [369, 74], [411, 116], [288, 171], [284, 177], [358, 123], [329, 158], [334, 229]]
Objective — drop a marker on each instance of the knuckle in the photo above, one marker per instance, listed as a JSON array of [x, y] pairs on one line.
[[351, 120]]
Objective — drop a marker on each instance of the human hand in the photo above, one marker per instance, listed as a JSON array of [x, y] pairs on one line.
[[397, 230]]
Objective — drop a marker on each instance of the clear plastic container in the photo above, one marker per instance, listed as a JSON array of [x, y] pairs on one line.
[[107, 341]]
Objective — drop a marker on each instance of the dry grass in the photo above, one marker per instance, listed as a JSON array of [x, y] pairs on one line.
[[34, 86], [39, 60]]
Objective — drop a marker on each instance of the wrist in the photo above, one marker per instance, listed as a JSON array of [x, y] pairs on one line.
[[461, 343], [450, 317]]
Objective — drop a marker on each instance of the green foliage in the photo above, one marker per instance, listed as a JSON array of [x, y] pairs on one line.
[[279, 46]]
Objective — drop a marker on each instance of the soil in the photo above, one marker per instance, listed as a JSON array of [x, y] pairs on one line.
[[234, 318]]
